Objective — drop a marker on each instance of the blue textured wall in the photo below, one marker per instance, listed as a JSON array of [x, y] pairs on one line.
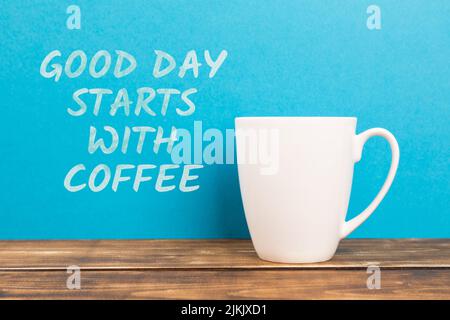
[[285, 57]]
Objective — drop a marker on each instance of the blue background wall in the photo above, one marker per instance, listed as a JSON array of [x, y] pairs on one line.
[[285, 58]]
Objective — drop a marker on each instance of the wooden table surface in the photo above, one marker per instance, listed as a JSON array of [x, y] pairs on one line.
[[220, 269]]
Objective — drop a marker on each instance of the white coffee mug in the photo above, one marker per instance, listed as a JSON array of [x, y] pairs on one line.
[[295, 175]]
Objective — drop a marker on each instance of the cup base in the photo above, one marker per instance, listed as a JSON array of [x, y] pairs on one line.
[[295, 259]]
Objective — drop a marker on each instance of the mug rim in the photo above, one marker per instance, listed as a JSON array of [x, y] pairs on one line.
[[294, 118], [306, 117]]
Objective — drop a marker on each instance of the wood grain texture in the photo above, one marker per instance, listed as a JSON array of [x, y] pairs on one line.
[[227, 284], [220, 269], [173, 254]]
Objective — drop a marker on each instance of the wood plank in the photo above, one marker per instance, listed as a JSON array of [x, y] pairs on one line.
[[206, 254], [227, 284]]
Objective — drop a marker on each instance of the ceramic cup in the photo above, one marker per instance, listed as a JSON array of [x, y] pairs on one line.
[[295, 175]]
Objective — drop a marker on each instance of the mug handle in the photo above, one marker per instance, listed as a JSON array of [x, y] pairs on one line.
[[359, 141]]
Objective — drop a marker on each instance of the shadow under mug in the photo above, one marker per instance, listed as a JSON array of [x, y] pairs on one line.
[[295, 176]]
